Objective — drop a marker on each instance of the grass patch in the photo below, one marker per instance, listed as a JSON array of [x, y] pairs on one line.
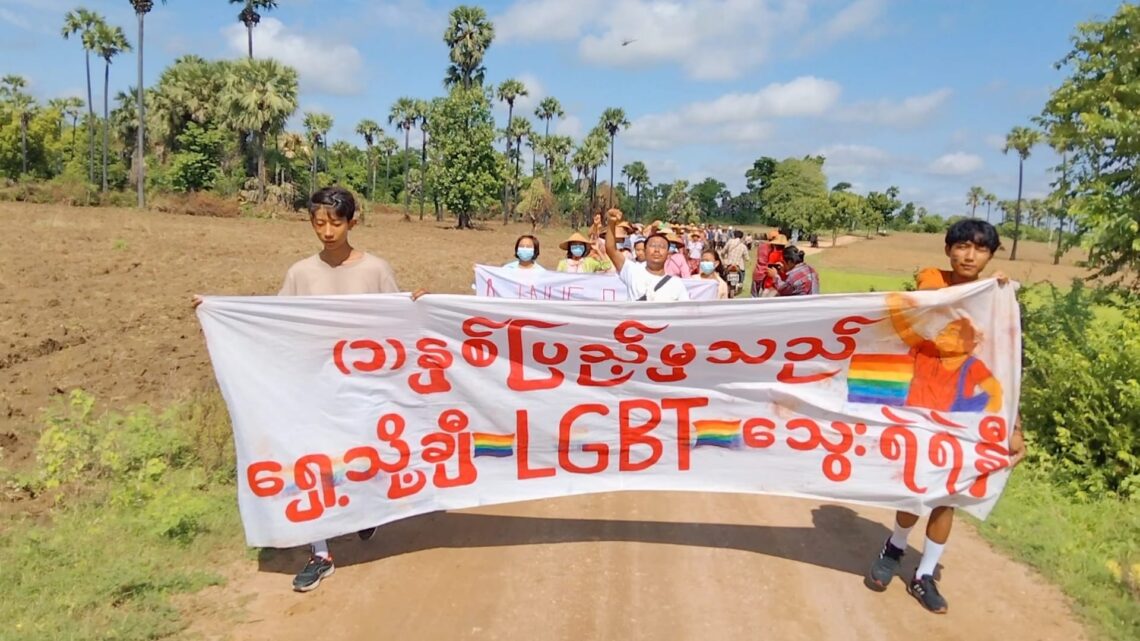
[[832, 281], [143, 506], [1091, 549]]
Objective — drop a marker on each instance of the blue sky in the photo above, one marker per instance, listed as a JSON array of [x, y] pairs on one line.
[[914, 93]]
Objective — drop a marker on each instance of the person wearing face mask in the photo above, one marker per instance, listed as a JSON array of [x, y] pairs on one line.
[[710, 268], [676, 265], [578, 259], [526, 254]]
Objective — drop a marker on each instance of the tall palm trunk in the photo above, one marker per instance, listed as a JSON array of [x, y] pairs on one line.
[[1017, 209], [407, 196], [139, 149], [261, 166], [90, 125], [24, 142], [988, 207], [506, 186], [423, 173], [74, 126], [106, 119], [372, 168], [613, 193], [637, 205], [518, 161], [249, 37], [1064, 205], [387, 174]]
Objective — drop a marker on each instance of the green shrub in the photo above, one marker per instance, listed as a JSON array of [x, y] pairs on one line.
[[1081, 392]]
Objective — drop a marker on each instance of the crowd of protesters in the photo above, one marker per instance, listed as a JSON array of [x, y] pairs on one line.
[[712, 252]]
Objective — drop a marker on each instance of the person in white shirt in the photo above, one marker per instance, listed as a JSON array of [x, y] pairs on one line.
[[644, 281]]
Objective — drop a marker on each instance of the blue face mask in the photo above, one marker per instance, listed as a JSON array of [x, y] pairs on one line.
[[577, 251], [525, 254], [707, 267]]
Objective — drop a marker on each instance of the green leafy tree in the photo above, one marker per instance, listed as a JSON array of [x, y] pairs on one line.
[[797, 188], [706, 195], [883, 207], [109, 43], [679, 205], [468, 36], [1094, 112], [1021, 140], [250, 16], [535, 202], [260, 96], [23, 106], [404, 114], [845, 211], [85, 23], [387, 146], [463, 145], [638, 175], [613, 120], [198, 165]]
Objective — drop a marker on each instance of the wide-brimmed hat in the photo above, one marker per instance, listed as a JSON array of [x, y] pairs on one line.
[[574, 238], [780, 239], [674, 238], [772, 233]]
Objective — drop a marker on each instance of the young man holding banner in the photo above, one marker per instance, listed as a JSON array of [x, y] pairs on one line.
[[970, 244], [644, 281], [338, 269]]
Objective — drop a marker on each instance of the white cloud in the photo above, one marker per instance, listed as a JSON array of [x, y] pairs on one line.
[[956, 164], [545, 19], [739, 118], [414, 15], [324, 66], [909, 112], [708, 39], [857, 17], [995, 142], [571, 126]]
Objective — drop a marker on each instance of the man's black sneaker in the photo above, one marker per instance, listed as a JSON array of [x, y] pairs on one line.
[[925, 590], [367, 533], [310, 576], [885, 567]]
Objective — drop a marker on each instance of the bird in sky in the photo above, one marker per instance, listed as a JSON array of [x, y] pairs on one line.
[[627, 41]]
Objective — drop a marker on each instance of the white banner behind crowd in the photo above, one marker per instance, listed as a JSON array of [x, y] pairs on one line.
[[354, 411], [531, 284]]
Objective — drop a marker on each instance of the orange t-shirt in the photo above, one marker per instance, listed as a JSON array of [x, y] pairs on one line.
[[937, 388], [934, 278]]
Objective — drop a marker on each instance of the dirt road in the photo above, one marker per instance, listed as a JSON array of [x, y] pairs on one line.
[[638, 566]]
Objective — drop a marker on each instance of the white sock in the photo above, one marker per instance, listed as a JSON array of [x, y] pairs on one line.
[[931, 552], [321, 549], [898, 537]]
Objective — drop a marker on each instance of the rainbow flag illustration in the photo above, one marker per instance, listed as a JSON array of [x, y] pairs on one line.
[[880, 379], [718, 433], [497, 445]]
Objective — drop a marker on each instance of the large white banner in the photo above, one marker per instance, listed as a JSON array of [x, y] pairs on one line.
[[355, 411], [529, 284]]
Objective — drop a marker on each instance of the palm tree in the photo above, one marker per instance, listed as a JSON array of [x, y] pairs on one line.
[[518, 129], [613, 120], [1021, 140], [370, 130], [250, 17], [548, 110], [109, 42], [596, 155], [509, 91], [260, 95], [387, 146], [974, 198], [469, 33], [403, 116], [142, 7], [1062, 146], [71, 109], [12, 90], [989, 199], [317, 126], [83, 22], [638, 176], [422, 111]]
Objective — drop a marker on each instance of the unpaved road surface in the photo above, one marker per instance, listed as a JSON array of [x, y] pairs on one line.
[[637, 565]]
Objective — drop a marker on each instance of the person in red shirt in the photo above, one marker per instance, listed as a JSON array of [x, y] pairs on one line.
[[946, 378]]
